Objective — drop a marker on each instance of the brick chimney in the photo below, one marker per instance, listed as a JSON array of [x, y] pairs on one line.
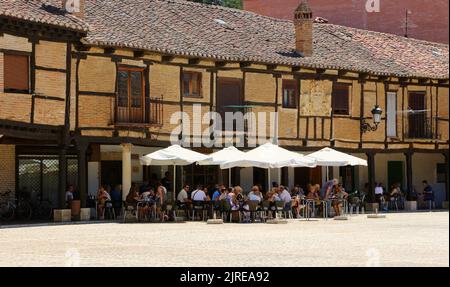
[[303, 22], [74, 7]]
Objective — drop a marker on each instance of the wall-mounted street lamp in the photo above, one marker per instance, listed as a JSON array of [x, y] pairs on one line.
[[376, 112]]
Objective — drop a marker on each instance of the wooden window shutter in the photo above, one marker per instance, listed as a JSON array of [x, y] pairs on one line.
[[16, 73], [341, 98]]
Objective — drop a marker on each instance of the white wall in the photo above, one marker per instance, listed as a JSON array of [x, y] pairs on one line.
[[93, 177]]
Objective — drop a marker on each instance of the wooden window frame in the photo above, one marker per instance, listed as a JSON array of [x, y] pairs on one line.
[[341, 112], [20, 54], [292, 85], [200, 85], [143, 107]]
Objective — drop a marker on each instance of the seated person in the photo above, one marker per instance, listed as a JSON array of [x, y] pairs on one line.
[[102, 198], [338, 194], [198, 194], [255, 194], [286, 197]]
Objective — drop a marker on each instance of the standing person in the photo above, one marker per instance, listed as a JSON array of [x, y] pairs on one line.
[[428, 194], [70, 195], [102, 197], [166, 182], [328, 188], [116, 197], [159, 202], [378, 191]]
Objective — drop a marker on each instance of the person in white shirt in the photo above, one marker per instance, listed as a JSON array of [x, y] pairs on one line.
[[198, 194], [285, 196], [183, 194], [379, 191]]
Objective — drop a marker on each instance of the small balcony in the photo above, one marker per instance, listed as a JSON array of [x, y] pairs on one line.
[[420, 127], [138, 115]]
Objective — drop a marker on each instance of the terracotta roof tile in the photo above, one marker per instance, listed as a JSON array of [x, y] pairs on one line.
[[41, 11], [191, 29], [185, 28]]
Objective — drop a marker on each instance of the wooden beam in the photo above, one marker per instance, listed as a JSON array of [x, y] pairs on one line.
[[271, 67], [138, 53], [167, 59], [219, 64], [109, 50], [245, 64], [194, 61]]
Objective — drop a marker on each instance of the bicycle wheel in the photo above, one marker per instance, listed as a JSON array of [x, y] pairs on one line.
[[44, 210], [6, 212], [24, 211]]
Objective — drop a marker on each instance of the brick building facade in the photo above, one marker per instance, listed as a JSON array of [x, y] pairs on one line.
[[98, 99], [429, 20]]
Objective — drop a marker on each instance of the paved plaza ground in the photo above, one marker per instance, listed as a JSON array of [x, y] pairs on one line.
[[405, 239]]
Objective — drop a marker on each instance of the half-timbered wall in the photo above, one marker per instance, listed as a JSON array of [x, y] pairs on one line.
[[45, 102], [311, 124]]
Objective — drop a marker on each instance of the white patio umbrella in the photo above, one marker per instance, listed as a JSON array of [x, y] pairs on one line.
[[222, 156], [270, 156], [173, 155], [330, 157]]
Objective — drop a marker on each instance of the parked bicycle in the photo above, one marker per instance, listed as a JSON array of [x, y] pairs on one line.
[[23, 208]]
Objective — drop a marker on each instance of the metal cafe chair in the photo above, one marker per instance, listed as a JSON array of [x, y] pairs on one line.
[[199, 207], [225, 209], [109, 210], [253, 206], [265, 209]]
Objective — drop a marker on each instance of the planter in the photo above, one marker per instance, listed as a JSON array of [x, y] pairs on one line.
[[411, 205], [76, 209], [85, 214], [62, 215]]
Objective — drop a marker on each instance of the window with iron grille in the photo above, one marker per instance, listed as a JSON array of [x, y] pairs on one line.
[[192, 84], [290, 93], [341, 99], [16, 73], [38, 176]]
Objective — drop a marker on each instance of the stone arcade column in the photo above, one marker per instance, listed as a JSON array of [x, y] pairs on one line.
[[82, 172], [62, 176], [371, 173], [409, 174], [126, 169]]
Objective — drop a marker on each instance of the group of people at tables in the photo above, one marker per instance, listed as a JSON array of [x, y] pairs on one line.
[[239, 201], [152, 199]]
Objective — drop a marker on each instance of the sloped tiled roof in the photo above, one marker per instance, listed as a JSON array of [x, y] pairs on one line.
[[185, 28], [192, 29], [41, 11]]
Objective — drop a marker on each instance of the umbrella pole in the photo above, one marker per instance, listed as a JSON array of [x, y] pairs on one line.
[[268, 179], [229, 177], [174, 180]]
